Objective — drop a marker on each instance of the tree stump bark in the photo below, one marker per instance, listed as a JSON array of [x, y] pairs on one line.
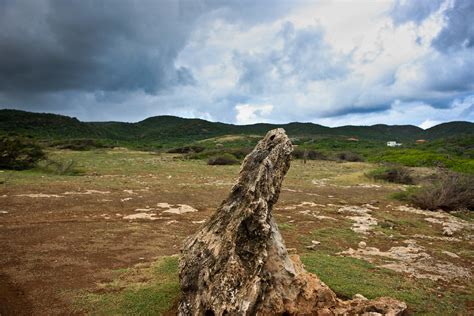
[[237, 264]]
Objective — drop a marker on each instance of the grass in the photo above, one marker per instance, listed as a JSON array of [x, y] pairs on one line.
[[424, 158], [126, 297], [334, 239], [348, 276], [285, 226], [129, 294]]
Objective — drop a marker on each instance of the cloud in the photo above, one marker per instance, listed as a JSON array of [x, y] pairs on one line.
[[458, 29], [322, 61], [458, 32], [88, 46], [404, 11], [252, 113]]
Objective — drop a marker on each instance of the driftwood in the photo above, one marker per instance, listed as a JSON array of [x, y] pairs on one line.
[[237, 264]]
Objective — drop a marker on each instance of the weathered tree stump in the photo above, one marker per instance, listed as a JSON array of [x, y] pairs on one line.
[[237, 264]]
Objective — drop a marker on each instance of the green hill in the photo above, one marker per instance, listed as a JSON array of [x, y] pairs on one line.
[[173, 130]]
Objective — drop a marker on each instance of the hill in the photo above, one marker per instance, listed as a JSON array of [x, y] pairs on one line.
[[170, 129]]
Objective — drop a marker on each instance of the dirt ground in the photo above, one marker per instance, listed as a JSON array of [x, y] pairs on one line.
[[60, 235]]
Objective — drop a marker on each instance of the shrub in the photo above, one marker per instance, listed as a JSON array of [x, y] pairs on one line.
[[18, 153], [394, 174], [224, 159], [310, 154], [452, 191], [186, 150], [63, 168], [349, 156], [80, 144]]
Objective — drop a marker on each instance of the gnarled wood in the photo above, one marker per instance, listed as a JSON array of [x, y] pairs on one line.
[[237, 264]]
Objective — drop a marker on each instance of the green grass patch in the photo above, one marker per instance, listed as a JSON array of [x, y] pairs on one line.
[[285, 226], [424, 158], [348, 276], [125, 296], [333, 239]]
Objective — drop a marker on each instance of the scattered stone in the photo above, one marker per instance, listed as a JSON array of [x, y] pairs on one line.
[[362, 244], [359, 297], [436, 238], [3, 212], [451, 254], [411, 259], [173, 221], [126, 199], [40, 195], [368, 186], [181, 209], [363, 221], [144, 209], [450, 223], [150, 216], [315, 242], [163, 205], [199, 222], [237, 264], [87, 192]]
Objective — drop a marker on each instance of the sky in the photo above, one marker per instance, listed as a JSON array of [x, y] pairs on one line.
[[241, 61]]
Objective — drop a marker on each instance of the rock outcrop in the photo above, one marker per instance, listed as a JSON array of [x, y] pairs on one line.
[[237, 264]]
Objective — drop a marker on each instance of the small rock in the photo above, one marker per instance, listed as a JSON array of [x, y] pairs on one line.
[[451, 254], [448, 231], [359, 297], [315, 242], [362, 244]]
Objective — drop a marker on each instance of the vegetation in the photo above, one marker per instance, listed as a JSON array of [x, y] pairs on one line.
[[448, 145], [60, 167], [349, 156], [19, 153], [128, 296], [346, 276], [350, 276], [394, 174], [225, 159], [452, 191], [79, 144], [170, 129]]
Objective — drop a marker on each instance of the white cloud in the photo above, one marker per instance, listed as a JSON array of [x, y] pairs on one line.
[[428, 123], [330, 62], [252, 113]]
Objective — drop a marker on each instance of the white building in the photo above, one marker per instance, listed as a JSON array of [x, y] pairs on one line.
[[393, 143]]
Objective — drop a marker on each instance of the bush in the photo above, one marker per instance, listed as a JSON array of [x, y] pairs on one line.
[[18, 153], [452, 191], [310, 154], [63, 168], [186, 150], [349, 156], [394, 174], [80, 144], [225, 159]]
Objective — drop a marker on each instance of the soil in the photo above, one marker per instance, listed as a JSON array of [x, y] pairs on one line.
[[55, 244]]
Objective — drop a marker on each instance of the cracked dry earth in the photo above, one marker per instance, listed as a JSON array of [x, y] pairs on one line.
[[60, 236]]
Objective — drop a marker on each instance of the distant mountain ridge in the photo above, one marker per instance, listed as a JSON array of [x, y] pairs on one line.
[[55, 126]]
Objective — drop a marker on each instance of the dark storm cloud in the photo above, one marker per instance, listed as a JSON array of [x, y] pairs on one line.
[[88, 45], [459, 30]]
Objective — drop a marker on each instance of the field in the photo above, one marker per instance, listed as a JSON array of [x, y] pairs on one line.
[[105, 241]]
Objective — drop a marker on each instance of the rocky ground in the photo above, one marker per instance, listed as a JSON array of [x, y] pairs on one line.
[[63, 236]]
